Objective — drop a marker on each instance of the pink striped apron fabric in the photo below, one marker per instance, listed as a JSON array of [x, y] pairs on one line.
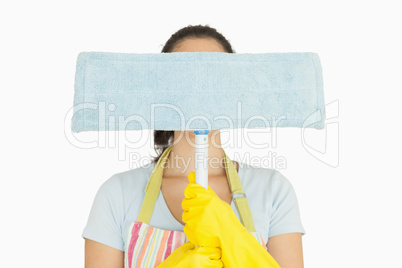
[[148, 246]]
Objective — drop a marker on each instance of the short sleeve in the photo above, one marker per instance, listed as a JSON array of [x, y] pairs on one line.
[[106, 216], [285, 216]]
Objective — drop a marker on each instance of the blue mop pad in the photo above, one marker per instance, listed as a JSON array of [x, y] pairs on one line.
[[197, 90]]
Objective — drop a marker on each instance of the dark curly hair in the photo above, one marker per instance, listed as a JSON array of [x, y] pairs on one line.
[[163, 139]]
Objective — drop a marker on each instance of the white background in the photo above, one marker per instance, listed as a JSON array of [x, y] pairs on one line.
[[350, 208]]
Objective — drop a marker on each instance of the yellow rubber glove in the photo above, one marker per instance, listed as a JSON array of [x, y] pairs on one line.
[[187, 255], [211, 222]]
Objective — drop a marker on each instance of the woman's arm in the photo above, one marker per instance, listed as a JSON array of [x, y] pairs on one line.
[[287, 250], [98, 255]]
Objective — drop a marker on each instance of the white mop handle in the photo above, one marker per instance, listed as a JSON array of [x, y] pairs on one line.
[[201, 157]]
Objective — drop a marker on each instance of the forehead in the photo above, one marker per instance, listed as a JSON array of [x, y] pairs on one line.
[[198, 45]]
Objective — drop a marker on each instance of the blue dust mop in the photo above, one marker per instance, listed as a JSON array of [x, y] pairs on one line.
[[197, 91]]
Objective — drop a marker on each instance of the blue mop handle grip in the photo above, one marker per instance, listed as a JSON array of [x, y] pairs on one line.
[[201, 157]]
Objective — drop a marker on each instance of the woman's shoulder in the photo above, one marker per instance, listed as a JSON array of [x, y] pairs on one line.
[[136, 175], [264, 180], [128, 181], [259, 174]]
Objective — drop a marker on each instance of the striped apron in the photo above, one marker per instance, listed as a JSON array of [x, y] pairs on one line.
[[148, 246]]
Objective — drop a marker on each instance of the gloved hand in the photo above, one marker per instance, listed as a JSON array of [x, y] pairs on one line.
[[211, 222], [187, 255]]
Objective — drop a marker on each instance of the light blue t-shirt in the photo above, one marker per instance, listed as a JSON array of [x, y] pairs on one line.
[[270, 196]]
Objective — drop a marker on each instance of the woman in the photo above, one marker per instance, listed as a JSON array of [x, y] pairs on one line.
[[270, 196]]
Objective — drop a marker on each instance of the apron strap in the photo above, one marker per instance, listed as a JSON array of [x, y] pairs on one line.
[[153, 188], [155, 182], [239, 195]]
